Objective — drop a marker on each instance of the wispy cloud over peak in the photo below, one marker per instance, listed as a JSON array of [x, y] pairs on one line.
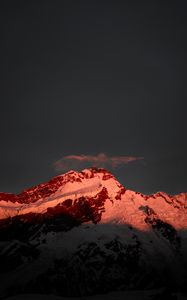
[[101, 160]]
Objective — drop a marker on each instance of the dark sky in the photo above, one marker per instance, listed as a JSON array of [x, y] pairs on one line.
[[89, 77]]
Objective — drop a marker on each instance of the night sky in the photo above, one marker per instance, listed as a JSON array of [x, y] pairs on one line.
[[90, 77]]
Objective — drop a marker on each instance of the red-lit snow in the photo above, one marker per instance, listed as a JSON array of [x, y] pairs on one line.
[[119, 205]]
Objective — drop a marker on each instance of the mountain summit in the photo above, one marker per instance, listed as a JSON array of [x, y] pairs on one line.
[[92, 195], [84, 233]]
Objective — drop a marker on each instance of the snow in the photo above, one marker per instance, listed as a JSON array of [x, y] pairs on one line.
[[71, 190], [170, 209], [123, 219]]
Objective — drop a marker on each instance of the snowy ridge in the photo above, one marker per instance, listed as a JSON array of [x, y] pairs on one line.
[[9, 209], [83, 233], [119, 205], [73, 185]]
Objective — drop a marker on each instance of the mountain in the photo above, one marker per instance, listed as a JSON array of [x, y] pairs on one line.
[[83, 233]]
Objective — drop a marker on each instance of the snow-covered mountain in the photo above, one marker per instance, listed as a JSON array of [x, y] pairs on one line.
[[84, 233]]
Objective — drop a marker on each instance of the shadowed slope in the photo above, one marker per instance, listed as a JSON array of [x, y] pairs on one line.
[[84, 233]]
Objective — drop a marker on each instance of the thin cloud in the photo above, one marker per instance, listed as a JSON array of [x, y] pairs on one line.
[[101, 160]]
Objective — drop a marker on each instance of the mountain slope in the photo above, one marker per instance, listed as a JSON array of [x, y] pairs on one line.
[[84, 233], [97, 190]]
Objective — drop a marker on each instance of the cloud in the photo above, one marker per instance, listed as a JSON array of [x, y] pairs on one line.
[[84, 161]]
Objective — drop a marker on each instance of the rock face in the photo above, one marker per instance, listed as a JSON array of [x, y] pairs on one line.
[[84, 233]]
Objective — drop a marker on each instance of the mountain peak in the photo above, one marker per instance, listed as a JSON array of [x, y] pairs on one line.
[[82, 220], [92, 186], [93, 195]]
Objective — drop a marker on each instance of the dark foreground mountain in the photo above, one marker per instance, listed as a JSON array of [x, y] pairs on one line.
[[85, 234]]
